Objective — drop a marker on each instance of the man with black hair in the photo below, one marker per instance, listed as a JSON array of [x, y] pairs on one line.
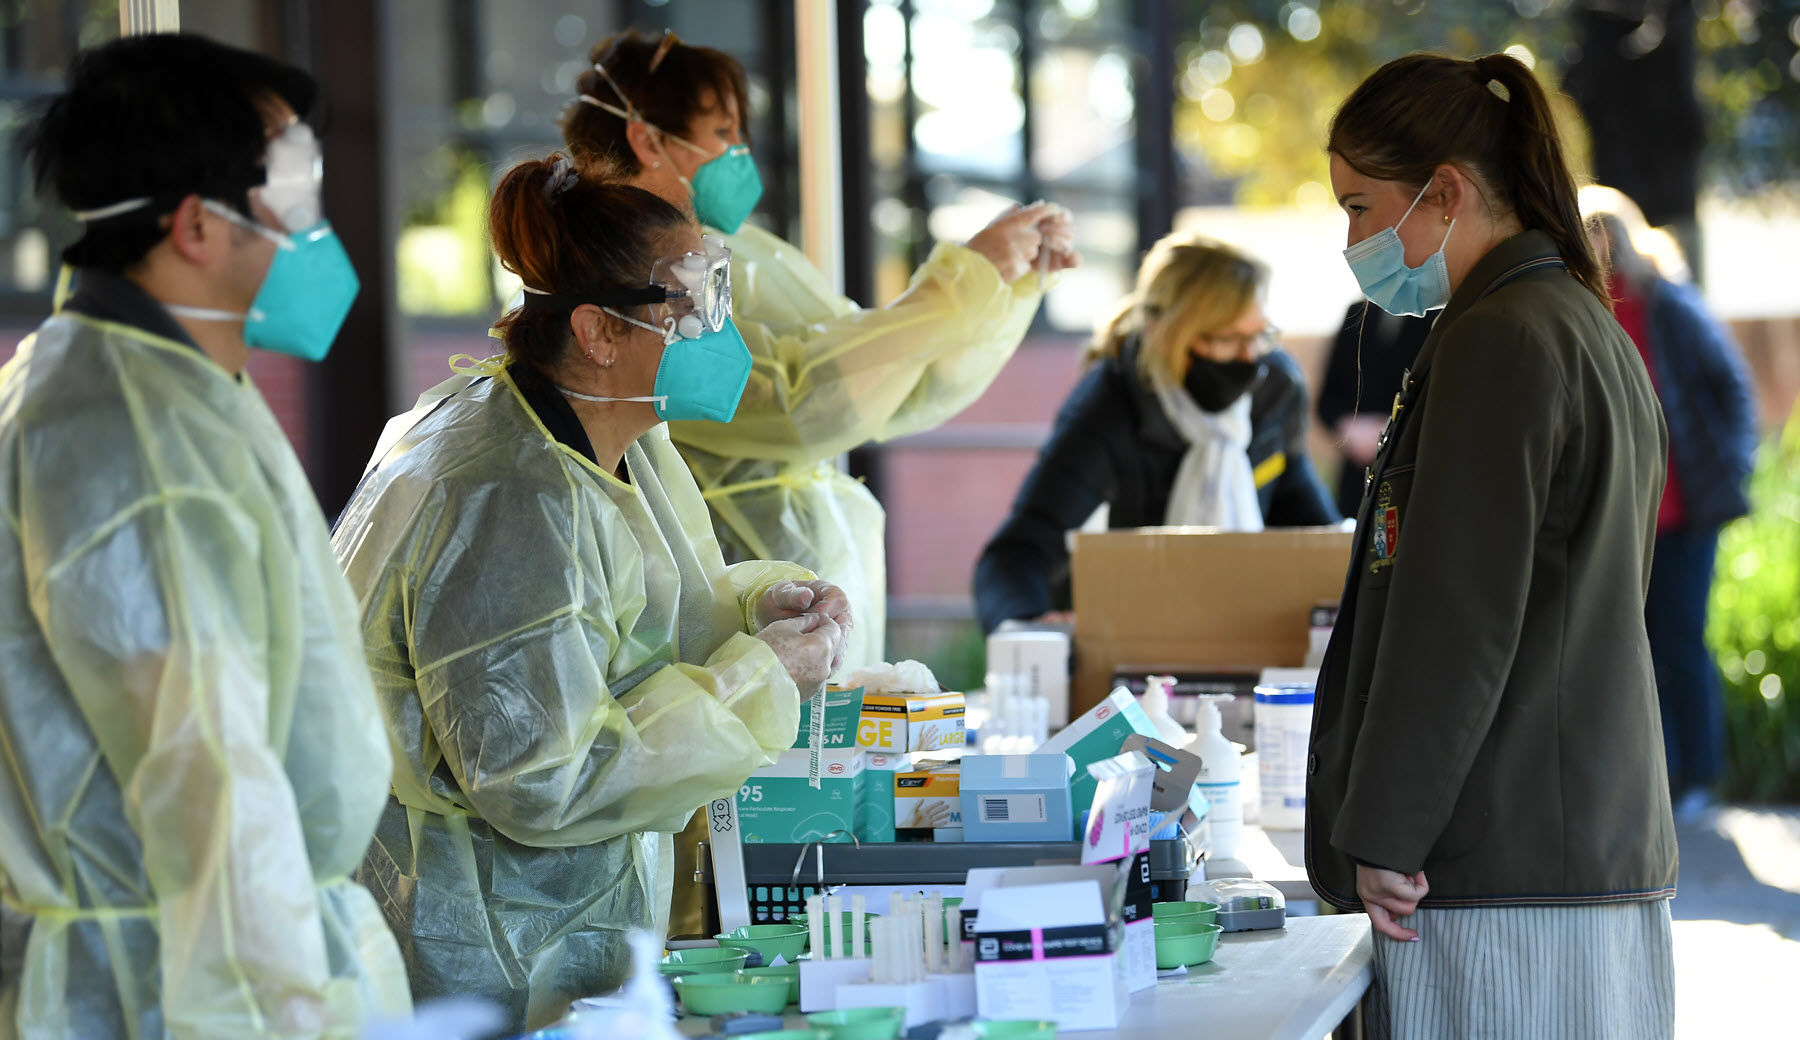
[[195, 759]]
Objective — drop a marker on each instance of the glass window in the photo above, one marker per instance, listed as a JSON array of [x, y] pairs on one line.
[[481, 85]]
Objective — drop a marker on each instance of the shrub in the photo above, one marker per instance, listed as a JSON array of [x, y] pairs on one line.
[[1754, 629]]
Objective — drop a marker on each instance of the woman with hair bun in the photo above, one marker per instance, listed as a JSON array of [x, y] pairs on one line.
[[828, 375], [566, 664], [1486, 774]]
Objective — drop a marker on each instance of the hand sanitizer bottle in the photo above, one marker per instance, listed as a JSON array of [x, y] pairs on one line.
[[1155, 703], [1220, 773]]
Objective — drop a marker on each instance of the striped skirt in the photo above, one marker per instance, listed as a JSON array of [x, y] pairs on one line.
[[1583, 972]]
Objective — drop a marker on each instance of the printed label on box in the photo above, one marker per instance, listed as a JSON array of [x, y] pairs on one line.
[[1013, 808], [928, 798]]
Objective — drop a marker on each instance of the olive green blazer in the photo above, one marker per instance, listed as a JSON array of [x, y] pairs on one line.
[[1487, 710]]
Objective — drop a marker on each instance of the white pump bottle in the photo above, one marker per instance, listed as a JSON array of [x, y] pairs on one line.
[[1155, 703], [1220, 775]]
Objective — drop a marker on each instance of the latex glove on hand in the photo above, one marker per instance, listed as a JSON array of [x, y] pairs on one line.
[[1056, 251], [791, 599], [1012, 241], [810, 647]]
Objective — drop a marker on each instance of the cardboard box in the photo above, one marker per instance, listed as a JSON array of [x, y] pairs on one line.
[[1176, 599], [928, 797], [875, 812], [912, 722], [1097, 734], [1016, 798], [776, 804], [1044, 951], [843, 718], [1138, 946], [1120, 823], [1038, 661]]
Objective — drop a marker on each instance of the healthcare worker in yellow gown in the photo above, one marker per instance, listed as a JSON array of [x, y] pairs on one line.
[[828, 375], [567, 665], [191, 753]]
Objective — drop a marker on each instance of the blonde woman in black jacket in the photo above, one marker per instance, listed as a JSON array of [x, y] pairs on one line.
[[1190, 414]]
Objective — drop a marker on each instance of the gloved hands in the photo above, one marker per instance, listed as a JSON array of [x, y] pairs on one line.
[[1057, 251], [810, 647], [790, 599], [1040, 237]]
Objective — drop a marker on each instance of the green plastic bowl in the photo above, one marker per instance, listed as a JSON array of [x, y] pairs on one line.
[[1015, 1029], [723, 994], [1189, 925], [703, 960], [791, 972], [880, 1023], [1207, 913], [786, 941], [1186, 947]]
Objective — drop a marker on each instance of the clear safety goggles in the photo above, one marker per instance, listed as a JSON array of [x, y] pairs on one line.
[[694, 286]]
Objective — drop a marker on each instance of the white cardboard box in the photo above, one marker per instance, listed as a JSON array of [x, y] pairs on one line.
[[1042, 951], [1041, 661]]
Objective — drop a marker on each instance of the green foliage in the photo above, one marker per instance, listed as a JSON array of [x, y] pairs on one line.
[[1258, 80], [445, 267], [1754, 629], [1749, 83], [1264, 126]]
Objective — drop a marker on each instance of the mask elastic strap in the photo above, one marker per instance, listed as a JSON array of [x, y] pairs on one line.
[[221, 210], [667, 332], [181, 310], [117, 209], [631, 114], [661, 401], [1415, 205]]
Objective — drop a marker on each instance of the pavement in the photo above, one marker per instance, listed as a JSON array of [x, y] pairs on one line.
[[1737, 924]]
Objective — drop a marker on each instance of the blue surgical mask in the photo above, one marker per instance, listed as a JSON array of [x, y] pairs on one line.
[[303, 299], [1379, 263], [699, 377]]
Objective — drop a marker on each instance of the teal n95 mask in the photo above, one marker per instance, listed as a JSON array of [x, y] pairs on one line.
[[307, 292], [726, 187], [705, 363]]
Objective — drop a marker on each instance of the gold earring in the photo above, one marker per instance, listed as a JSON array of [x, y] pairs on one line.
[[608, 363]]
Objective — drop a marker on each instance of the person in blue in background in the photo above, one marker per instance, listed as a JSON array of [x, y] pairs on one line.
[[1704, 388]]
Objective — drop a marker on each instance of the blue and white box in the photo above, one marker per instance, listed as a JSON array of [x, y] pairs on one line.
[[1016, 797]]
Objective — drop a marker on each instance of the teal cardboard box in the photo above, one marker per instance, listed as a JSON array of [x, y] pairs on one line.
[[875, 821], [777, 804], [1096, 735], [843, 714]]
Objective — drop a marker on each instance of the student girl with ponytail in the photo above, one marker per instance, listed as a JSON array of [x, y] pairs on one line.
[[1486, 777]]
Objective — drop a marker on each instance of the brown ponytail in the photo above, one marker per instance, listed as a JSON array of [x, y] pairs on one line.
[[569, 230], [1490, 116], [666, 91]]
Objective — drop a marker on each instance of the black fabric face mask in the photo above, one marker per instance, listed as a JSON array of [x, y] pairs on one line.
[[1214, 385]]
